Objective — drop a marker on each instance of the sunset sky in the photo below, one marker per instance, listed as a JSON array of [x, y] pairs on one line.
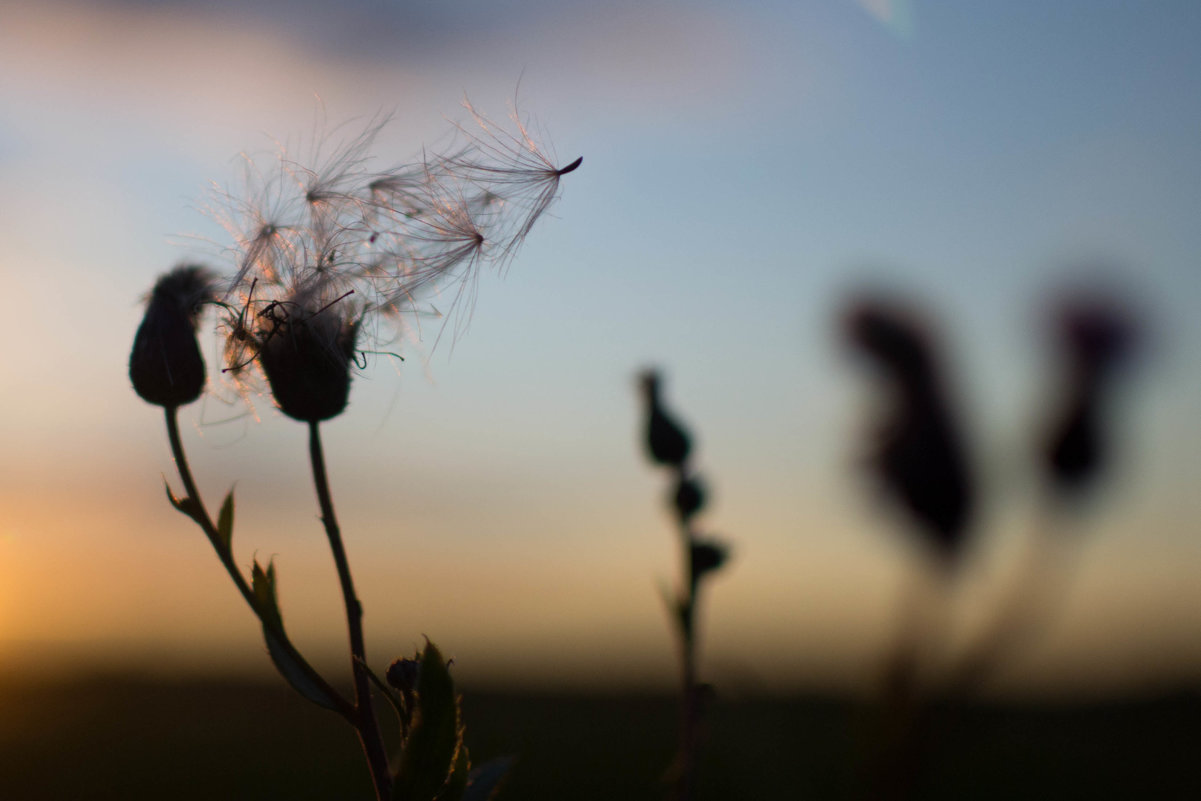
[[746, 167]]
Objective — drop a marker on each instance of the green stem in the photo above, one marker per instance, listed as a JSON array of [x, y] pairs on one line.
[[202, 518], [365, 722]]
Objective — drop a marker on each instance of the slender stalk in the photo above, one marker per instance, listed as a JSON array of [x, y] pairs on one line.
[[365, 722], [205, 522], [1030, 602], [689, 712]]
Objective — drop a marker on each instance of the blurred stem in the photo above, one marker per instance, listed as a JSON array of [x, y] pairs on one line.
[[202, 518], [689, 709], [908, 721], [365, 722], [1033, 594]]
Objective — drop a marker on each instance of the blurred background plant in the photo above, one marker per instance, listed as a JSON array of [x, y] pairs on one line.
[[919, 458], [669, 445]]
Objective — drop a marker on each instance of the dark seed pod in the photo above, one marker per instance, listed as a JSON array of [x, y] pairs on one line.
[[1095, 337], [165, 365], [307, 363], [707, 557], [666, 441], [402, 675], [689, 497]]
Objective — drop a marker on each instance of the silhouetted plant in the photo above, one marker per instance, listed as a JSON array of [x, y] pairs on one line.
[[918, 457], [1093, 337], [669, 445], [319, 254]]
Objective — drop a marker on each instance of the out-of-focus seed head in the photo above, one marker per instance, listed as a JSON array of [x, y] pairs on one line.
[[894, 337], [165, 364], [1095, 336], [306, 357], [403, 674], [918, 454]]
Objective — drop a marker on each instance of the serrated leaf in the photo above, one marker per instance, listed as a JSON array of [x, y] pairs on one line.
[[225, 522], [456, 785], [429, 753], [185, 504], [485, 780], [262, 582]]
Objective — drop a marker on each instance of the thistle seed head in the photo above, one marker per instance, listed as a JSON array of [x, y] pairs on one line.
[[306, 356], [165, 365]]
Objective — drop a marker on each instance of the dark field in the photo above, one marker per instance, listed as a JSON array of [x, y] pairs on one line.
[[131, 739]]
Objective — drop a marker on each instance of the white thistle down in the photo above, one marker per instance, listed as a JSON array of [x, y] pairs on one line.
[[333, 237]]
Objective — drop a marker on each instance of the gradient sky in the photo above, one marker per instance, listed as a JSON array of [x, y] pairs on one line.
[[745, 166]]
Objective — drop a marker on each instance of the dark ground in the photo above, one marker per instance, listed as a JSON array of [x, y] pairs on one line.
[[122, 738]]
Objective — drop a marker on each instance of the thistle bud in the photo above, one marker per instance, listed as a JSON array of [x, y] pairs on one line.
[[165, 364], [403, 674], [689, 497], [307, 363]]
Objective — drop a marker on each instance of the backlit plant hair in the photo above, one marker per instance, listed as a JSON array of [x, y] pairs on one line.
[[321, 250]]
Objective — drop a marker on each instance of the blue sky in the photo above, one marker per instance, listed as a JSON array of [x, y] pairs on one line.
[[745, 167]]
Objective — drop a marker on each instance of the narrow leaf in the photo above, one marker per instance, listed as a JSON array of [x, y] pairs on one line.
[[295, 674], [262, 582], [225, 521], [429, 753], [486, 779]]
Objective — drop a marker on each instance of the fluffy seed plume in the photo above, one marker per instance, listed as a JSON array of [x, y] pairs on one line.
[[330, 238]]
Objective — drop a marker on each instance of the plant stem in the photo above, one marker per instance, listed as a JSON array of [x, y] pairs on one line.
[[689, 709], [365, 722], [202, 518]]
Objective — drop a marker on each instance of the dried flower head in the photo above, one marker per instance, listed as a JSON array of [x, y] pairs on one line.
[[165, 364]]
